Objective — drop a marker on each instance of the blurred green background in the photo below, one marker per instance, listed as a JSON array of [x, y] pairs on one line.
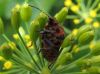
[[50, 6]]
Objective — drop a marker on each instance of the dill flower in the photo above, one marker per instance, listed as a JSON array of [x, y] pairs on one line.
[[75, 49], [88, 20], [12, 45], [96, 24], [76, 21], [68, 3], [93, 13], [27, 37], [91, 45], [1, 58], [29, 44], [75, 8], [8, 65], [15, 36], [74, 32]]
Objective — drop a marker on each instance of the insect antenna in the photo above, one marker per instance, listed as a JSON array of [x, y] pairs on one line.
[[41, 10]]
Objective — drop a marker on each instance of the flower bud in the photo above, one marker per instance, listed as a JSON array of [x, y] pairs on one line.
[[94, 70], [6, 51], [1, 26], [84, 64], [88, 20], [45, 70], [61, 16], [8, 65], [34, 27], [86, 38], [2, 58], [95, 49], [84, 29], [15, 36], [67, 41], [26, 12], [15, 17], [42, 18], [12, 45], [95, 59], [75, 49], [64, 58], [68, 3], [75, 8]]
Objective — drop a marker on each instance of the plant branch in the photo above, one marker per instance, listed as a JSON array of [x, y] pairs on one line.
[[28, 51]]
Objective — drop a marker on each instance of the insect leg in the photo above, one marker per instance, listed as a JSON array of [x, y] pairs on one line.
[[48, 42], [50, 65], [60, 50], [40, 50], [43, 49], [42, 32], [49, 31], [46, 32]]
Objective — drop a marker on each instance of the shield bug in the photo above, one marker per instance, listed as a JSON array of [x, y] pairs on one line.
[[52, 37]]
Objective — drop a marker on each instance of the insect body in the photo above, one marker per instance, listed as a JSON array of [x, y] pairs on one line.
[[51, 37]]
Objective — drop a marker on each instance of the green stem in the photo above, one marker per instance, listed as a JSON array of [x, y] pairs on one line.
[[24, 66], [84, 47], [68, 31], [83, 6], [70, 49], [27, 28], [73, 73], [38, 55], [98, 15], [28, 51], [26, 1], [94, 4], [20, 54], [6, 38], [71, 17], [89, 3], [34, 45], [16, 49]]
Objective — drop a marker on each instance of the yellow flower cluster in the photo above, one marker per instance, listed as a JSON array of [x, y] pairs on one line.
[[71, 5], [68, 3], [27, 38], [15, 36], [75, 49], [75, 8], [91, 45], [76, 21], [93, 13], [87, 15], [1, 58], [88, 20], [96, 24], [12, 45], [8, 65], [74, 32]]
